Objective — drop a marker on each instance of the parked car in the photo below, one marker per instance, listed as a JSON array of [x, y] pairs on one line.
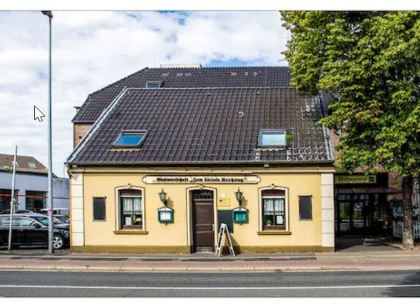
[[32, 230], [7, 211], [63, 218], [44, 219], [61, 213], [56, 211]]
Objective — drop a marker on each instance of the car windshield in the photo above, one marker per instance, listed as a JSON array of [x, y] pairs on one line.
[[62, 219]]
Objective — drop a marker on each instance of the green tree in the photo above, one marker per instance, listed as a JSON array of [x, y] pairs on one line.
[[369, 64]]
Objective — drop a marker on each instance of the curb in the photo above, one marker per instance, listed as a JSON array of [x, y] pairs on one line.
[[197, 269]]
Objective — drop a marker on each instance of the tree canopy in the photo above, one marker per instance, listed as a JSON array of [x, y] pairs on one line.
[[369, 62]]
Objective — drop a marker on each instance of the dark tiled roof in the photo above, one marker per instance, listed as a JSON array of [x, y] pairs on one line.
[[184, 78], [24, 164], [206, 125]]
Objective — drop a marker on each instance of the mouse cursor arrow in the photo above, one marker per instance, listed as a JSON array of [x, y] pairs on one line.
[[38, 114]]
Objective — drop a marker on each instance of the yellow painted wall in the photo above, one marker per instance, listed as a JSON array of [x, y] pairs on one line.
[[104, 184]]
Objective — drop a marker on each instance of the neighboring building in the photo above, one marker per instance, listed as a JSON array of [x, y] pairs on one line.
[[31, 184], [366, 204], [164, 155], [362, 205]]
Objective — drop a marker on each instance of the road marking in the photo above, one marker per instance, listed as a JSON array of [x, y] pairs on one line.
[[209, 288]]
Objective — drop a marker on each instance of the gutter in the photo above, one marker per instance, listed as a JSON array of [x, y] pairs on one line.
[[203, 163], [326, 132]]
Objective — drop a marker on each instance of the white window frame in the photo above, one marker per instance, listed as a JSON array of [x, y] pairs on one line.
[[118, 226], [142, 133], [261, 209], [272, 131], [153, 82]]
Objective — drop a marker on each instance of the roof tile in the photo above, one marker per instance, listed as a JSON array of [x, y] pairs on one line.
[[184, 78], [203, 125]]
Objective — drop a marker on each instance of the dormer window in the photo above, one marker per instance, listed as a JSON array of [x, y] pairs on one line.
[[272, 138], [153, 84], [130, 139]]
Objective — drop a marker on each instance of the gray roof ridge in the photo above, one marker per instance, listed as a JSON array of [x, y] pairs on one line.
[[106, 87], [217, 67], [191, 88], [178, 68], [207, 88], [12, 155], [326, 131], [96, 125], [113, 83]]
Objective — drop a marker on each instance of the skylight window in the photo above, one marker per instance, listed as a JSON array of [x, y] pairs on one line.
[[130, 139], [31, 165], [153, 84], [272, 138]]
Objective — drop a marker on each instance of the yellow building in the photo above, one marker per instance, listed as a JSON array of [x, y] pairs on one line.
[[170, 154]]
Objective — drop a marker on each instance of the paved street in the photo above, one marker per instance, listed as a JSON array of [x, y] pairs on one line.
[[298, 284]]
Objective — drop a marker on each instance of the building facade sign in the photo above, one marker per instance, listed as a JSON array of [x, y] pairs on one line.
[[150, 179], [224, 201], [355, 179]]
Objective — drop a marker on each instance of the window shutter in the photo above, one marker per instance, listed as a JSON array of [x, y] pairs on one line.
[[305, 207], [99, 208]]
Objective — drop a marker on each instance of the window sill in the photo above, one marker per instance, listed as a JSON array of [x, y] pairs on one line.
[[274, 232], [134, 231]]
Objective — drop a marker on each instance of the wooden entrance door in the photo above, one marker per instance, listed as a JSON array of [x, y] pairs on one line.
[[203, 220]]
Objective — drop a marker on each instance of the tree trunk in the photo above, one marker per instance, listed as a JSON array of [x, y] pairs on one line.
[[407, 192]]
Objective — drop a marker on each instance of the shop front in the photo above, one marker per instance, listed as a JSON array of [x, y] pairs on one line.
[[361, 204], [154, 212]]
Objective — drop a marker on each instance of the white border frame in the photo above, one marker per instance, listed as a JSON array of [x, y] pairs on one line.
[[244, 5]]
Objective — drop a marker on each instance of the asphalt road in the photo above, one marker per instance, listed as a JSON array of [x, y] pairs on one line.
[[273, 284]]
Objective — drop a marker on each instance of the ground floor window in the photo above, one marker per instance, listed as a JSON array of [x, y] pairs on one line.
[[5, 197], [131, 208], [273, 209], [35, 200], [305, 207], [361, 212], [99, 208]]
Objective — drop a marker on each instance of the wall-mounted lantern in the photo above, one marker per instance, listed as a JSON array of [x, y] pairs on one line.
[[165, 214], [239, 197], [240, 215], [162, 196]]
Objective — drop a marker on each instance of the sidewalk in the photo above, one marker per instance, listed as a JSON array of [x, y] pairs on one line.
[[355, 261]]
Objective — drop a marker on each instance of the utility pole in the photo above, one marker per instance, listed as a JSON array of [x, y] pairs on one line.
[[12, 201], [50, 191]]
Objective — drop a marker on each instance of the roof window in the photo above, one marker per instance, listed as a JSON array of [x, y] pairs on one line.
[[153, 84], [32, 165], [130, 139], [272, 138]]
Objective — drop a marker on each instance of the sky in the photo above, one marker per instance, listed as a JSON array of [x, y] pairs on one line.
[[94, 49]]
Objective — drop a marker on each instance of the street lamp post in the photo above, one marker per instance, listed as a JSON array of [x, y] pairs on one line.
[[12, 201], [50, 192]]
